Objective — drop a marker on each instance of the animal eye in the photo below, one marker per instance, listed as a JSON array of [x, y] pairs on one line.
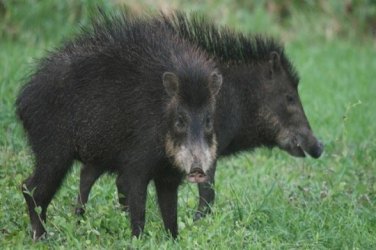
[[290, 99], [180, 123], [208, 123]]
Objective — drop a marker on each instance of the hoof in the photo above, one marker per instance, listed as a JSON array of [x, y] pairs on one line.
[[199, 215], [39, 235], [202, 213], [80, 211], [125, 209]]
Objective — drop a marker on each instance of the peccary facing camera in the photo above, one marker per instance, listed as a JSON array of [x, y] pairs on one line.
[[125, 96]]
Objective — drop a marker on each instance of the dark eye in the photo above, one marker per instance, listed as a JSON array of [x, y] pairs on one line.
[[180, 123], [290, 99], [208, 123]]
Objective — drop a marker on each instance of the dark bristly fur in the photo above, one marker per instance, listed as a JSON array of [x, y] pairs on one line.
[[226, 45], [100, 100], [259, 104]]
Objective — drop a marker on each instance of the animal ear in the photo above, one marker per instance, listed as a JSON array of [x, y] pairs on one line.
[[215, 82], [170, 83], [274, 62]]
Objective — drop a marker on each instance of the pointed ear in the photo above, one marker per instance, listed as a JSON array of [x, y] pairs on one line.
[[215, 82], [274, 62], [170, 83]]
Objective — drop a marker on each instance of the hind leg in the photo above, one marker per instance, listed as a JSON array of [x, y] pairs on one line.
[[88, 176], [41, 186]]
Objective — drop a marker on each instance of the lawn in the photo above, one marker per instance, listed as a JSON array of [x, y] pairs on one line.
[[265, 199]]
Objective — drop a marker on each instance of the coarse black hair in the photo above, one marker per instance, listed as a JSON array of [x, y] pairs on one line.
[[226, 45]]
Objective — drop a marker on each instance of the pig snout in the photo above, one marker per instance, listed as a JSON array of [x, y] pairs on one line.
[[193, 159], [316, 150], [196, 175], [311, 145], [300, 144]]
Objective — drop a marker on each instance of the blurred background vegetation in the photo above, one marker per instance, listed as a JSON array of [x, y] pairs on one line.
[[347, 19]]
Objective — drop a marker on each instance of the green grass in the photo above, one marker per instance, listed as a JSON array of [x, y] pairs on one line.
[[265, 199]]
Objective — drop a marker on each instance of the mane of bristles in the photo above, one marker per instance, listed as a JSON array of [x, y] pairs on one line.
[[115, 28], [224, 44], [128, 34]]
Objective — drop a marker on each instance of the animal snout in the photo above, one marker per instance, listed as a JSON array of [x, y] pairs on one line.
[[317, 150], [197, 175], [197, 170]]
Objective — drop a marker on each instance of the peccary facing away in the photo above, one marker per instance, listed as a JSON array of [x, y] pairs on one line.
[[125, 96], [258, 105]]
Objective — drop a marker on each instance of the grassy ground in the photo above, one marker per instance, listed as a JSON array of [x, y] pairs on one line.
[[265, 199]]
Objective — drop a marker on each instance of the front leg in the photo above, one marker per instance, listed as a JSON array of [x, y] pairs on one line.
[[167, 192], [123, 193], [207, 194], [137, 187]]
